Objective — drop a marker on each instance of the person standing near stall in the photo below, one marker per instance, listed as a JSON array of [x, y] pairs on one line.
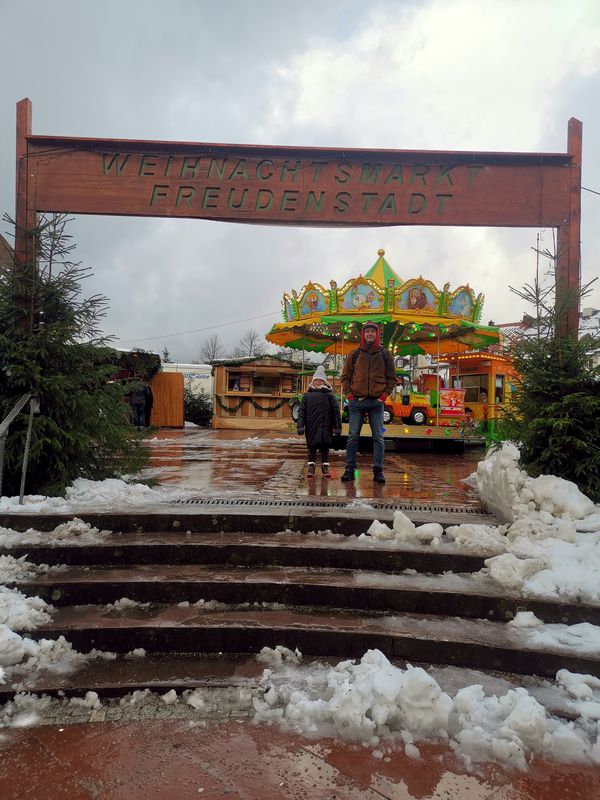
[[368, 377], [319, 419]]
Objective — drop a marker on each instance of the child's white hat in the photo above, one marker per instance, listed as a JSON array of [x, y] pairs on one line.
[[320, 375]]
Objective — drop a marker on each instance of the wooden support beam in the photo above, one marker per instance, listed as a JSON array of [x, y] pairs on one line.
[[24, 215], [568, 265]]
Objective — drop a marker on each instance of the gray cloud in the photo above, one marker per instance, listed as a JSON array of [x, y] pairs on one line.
[[390, 74]]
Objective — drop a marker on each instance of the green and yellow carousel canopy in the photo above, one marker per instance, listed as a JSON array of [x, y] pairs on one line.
[[415, 316]]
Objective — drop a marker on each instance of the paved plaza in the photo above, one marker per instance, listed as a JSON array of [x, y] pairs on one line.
[[274, 464]]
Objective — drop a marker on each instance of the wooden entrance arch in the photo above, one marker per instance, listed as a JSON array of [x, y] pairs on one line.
[[303, 186]]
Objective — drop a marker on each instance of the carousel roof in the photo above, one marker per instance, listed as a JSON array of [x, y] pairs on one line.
[[415, 316], [381, 272]]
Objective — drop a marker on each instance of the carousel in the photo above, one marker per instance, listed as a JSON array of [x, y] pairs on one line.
[[416, 319], [415, 316]]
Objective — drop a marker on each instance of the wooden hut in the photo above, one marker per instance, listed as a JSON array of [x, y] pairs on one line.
[[167, 387], [255, 393]]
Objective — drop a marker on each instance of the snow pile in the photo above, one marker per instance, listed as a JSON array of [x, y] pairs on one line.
[[91, 700], [54, 655], [73, 532], [22, 613], [582, 638], [509, 493], [551, 545], [373, 701], [137, 652], [124, 604], [279, 655], [404, 531], [24, 710], [18, 570], [11, 647], [511, 571], [475, 538], [357, 504], [85, 494], [169, 697], [552, 568]]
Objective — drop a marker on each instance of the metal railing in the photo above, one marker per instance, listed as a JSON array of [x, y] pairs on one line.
[[34, 407]]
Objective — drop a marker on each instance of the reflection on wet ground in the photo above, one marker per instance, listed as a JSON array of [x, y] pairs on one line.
[[275, 464], [169, 759]]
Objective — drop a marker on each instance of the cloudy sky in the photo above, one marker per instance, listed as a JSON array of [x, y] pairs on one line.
[[437, 74]]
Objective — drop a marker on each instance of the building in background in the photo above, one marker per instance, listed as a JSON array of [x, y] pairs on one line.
[[196, 377]]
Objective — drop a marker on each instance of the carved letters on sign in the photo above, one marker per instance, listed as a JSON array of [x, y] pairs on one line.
[[210, 182]]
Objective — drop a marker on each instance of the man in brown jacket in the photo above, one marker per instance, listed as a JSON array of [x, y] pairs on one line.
[[368, 378]]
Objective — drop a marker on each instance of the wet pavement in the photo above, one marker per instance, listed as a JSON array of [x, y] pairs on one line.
[[171, 760], [271, 463]]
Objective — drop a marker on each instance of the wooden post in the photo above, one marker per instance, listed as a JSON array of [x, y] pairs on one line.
[[568, 265], [24, 215]]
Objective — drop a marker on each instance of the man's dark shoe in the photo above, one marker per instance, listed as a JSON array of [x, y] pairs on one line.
[[378, 475], [348, 474]]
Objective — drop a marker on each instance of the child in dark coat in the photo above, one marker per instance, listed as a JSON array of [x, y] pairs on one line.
[[319, 420]]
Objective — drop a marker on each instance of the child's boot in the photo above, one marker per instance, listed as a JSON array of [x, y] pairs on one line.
[[310, 472], [326, 469]]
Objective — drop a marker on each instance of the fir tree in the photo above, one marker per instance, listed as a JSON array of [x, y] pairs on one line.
[[554, 416], [53, 348]]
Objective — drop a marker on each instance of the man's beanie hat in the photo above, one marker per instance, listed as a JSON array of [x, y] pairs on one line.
[[370, 325]]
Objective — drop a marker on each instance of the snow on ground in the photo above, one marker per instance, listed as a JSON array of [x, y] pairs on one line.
[[481, 717], [20, 656], [549, 547], [73, 532], [84, 494], [22, 613], [19, 570], [383, 706]]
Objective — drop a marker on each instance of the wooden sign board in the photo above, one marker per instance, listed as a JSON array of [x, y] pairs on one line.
[[297, 186]]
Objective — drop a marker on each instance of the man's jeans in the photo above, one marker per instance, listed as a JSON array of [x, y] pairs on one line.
[[357, 409]]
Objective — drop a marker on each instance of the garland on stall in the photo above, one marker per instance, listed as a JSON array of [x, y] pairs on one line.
[[235, 408]]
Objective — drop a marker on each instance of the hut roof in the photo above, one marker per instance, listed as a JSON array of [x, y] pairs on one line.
[[242, 360]]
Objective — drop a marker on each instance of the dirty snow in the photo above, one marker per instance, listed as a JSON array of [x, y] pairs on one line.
[[23, 613], [87, 495], [379, 704], [73, 532]]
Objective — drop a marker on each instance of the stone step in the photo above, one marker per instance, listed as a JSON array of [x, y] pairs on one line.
[[477, 597], [157, 671], [477, 644], [259, 516], [253, 549]]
